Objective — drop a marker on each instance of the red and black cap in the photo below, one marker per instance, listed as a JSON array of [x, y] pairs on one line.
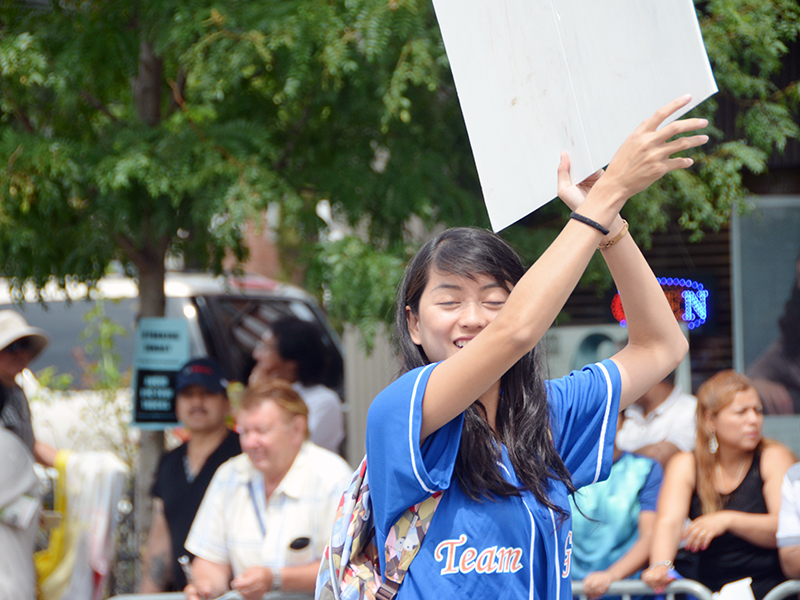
[[203, 372]]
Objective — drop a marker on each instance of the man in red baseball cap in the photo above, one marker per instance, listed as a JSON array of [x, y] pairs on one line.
[[202, 407]]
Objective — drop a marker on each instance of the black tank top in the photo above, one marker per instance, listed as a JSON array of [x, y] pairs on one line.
[[730, 558]]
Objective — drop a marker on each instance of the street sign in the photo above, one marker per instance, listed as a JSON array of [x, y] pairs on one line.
[[162, 348]]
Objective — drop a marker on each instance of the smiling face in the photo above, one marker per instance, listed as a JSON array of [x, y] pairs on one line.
[[738, 425], [271, 437], [453, 309]]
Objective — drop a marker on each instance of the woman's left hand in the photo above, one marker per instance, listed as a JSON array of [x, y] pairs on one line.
[[698, 535], [658, 577], [571, 194]]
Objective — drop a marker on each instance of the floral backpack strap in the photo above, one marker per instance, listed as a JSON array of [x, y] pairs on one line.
[[403, 543], [351, 564], [347, 557]]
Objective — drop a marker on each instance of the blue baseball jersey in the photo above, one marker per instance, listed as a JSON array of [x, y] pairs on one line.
[[513, 547]]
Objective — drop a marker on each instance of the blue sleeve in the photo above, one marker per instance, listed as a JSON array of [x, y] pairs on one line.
[[648, 495], [583, 409], [401, 471]]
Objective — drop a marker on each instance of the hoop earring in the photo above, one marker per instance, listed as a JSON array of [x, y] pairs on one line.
[[713, 444]]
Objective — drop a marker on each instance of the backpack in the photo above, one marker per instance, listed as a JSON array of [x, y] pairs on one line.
[[350, 568]]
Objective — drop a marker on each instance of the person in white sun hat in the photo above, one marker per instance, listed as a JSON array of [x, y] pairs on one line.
[[20, 343]]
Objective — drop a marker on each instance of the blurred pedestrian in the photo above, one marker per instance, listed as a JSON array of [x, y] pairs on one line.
[[789, 523], [660, 423], [730, 488], [19, 518], [293, 350], [613, 525], [19, 345], [268, 513], [776, 373], [202, 407]]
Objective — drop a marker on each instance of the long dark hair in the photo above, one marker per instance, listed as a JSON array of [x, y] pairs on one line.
[[523, 417], [301, 342]]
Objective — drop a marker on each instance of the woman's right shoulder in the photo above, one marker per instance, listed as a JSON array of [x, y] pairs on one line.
[[682, 460]]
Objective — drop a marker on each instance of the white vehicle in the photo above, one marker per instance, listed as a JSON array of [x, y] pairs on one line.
[[226, 317]]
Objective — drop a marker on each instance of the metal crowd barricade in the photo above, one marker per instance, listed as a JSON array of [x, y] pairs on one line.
[[162, 596], [636, 587], [626, 589], [784, 590]]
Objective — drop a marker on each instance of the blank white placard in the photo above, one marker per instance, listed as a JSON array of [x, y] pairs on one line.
[[536, 77]]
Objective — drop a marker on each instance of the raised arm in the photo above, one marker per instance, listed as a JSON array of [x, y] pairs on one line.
[[656, 344], [541, 293]]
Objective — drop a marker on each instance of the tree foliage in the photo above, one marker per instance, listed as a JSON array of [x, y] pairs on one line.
[[136, 129], [133, 130]]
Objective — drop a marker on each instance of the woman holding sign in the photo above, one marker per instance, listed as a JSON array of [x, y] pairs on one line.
[[472, 416]]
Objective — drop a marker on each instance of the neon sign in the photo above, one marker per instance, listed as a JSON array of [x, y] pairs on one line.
[[688, 300]]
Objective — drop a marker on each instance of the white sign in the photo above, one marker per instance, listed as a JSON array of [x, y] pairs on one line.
[[537, 77], [161, 343]]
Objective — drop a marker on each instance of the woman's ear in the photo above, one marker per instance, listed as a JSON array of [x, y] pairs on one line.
[[413, 325], [710, 422]]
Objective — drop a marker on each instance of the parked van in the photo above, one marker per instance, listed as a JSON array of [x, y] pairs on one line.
[[226, 316]]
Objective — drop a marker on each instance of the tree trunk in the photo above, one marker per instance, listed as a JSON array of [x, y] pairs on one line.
[[151, 443], [147, 85], [151, 288], [147, 89]]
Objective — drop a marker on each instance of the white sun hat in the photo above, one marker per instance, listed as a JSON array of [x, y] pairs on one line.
[[13, 327]]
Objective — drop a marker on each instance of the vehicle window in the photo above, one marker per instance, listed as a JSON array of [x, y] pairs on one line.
[[240, 322], [65, 322]]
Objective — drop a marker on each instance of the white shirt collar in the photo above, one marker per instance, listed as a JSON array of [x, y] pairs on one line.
[[636, 411]]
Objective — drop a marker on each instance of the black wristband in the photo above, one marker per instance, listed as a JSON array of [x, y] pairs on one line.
[[589, 222]]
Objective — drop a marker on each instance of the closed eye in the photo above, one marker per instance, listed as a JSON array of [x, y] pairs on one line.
[[259, 431]]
